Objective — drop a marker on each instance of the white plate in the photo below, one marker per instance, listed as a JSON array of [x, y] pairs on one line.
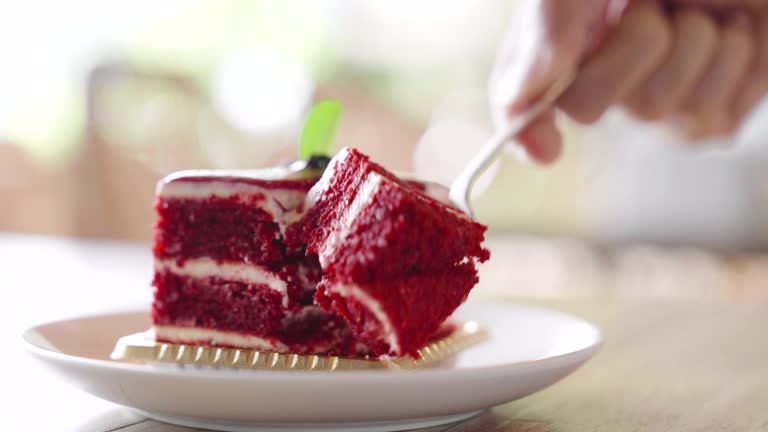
[[527, 350]]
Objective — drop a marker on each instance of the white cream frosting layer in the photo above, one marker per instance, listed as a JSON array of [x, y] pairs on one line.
[[341, 226], [217, 337], [269, 174], [240, 272], [352, 291]]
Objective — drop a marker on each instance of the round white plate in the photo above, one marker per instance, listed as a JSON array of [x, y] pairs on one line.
[[527, 350]]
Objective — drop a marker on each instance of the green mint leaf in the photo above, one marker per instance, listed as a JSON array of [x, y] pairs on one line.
[[319, 130]]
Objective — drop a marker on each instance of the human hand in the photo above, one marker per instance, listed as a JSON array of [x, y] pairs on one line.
[[701, 65]]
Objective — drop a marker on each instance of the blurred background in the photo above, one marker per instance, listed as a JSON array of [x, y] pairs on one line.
[[98, 100]]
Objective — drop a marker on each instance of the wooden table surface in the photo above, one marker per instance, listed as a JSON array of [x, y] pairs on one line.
[[667, 364]]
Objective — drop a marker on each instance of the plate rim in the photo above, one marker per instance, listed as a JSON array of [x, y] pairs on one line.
[[404, 424], [572, 357]]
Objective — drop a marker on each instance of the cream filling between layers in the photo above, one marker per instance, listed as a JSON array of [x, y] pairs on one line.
[[352, 291], [217, 337], [206, 267]]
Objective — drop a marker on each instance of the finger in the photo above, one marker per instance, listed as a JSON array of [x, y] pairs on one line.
[[693, 46], [722, 4], [710, 102], [756, 86], [634, 49], [542, 140], [556, 36]]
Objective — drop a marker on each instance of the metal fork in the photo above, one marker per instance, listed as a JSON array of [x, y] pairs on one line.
[[461, 189]]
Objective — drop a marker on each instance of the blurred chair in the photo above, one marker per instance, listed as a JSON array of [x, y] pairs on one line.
[[116, 173]]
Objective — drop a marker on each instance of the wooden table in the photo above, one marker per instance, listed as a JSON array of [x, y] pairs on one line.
[[667, 365]]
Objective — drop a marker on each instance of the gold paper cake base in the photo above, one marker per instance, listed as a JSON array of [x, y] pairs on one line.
[[142, 348]]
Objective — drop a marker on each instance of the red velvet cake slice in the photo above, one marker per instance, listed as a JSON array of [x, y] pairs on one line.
[[223, 274], [396, 262], [357, 262]]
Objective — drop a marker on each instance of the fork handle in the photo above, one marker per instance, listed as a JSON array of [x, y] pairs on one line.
[[462, 186]]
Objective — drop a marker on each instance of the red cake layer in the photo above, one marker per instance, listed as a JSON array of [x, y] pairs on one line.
[[396, 262], [214, 303], [220, 228]]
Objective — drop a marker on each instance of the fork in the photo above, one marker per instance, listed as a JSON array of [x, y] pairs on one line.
[[461, 188]]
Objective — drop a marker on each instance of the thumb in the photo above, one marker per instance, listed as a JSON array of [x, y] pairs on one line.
[[547, 38]]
